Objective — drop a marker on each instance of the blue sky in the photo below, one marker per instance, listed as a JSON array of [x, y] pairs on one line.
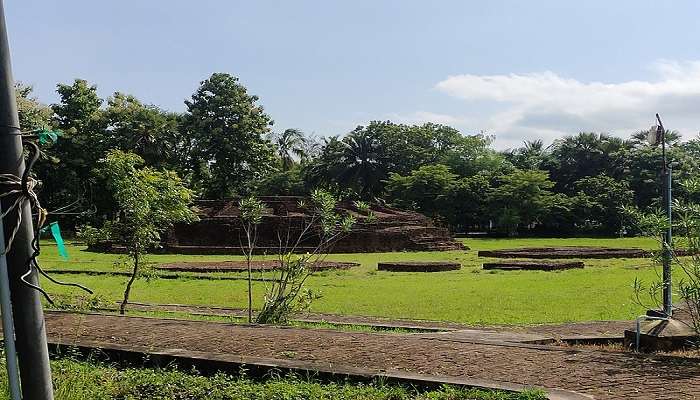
[[515, 69]]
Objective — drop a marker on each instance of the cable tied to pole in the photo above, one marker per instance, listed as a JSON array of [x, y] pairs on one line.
[[23, 189], [13, 186]]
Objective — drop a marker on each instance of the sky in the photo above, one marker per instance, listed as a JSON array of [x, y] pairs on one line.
[[519, 70]]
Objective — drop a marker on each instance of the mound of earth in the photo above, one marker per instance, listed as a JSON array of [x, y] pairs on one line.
[[417, 266], [239, 266], [517, 265], [566, 252]]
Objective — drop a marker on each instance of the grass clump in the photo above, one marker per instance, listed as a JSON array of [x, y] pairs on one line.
[[75, 380]]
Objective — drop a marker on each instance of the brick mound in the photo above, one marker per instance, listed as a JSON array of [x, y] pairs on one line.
[[416, 266], [566, 252], [219, 229], [517, 265], [239, 266]]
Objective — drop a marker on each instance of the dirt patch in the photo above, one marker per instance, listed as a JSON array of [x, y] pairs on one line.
[[518, 265], [416, 266], [566, 252], [240, 266]]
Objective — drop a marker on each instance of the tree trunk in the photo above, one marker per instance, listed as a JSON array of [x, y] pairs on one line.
[[127, 290], [250, 294]]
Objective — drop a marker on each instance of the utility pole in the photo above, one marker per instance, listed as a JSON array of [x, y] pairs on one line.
[[30, 330]]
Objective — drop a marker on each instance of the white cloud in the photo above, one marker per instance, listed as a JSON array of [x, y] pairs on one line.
[[421, 117], [546, 105]]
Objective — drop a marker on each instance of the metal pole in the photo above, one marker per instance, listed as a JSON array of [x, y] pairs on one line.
[[668, 237], [8, 327], [30, 330], [668, 243]]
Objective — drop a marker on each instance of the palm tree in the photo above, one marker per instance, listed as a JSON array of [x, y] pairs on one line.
[[364, 164], [290, 144], [640, 138]]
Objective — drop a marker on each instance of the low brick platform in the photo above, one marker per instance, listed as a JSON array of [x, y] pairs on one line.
[[418, 266], [517, 265], [565, 252]]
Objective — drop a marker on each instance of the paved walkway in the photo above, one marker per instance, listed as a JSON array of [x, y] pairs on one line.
[[605, 375]]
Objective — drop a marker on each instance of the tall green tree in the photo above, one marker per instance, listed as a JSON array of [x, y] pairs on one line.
[[599, 203], [290, 145], [229, 132], [143, 129], [520, 199], [582, 155], [530, 156], [430, 189]]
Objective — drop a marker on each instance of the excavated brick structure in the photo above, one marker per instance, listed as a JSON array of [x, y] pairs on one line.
[[219, 230]]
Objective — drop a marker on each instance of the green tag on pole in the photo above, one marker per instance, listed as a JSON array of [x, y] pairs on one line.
[[60, 244], [47, 136]]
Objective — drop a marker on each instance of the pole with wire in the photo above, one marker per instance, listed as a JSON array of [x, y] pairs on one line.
[[28, 315]]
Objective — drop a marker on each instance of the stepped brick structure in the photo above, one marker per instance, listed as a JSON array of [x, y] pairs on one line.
[[219, 230]]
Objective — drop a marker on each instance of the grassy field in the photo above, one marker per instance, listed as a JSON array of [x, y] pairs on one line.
[[76, 380], [601, 291]]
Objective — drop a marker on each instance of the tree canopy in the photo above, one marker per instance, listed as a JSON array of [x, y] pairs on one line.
[[223, 145]]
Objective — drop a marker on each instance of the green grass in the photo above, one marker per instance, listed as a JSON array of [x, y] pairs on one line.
[[78, 380], [601, 291]]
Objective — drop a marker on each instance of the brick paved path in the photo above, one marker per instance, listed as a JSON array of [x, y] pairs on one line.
[[605, 375]]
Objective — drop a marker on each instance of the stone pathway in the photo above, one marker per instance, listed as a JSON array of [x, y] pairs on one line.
[[602, 374]]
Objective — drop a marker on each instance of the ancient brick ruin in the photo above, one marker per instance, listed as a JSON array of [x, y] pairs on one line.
[[219, 230]]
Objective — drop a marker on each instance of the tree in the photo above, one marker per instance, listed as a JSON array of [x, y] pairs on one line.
[[363, 164], [641, 138], [145, 130], [521, 198], [32, 113], [287, 293], [600, 201], [251, 210], [290, 145], [586, 154], [149, 202], [530, 156], [430, 189], [228, 128], [283, 183]]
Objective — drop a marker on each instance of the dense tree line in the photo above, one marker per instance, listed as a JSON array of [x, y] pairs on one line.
[[223, 145]]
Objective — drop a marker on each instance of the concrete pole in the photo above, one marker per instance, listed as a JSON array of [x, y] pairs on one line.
[[30, 330]]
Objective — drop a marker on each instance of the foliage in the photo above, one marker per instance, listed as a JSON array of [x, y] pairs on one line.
[[429, 189], [228, 129], [32, 113], [288, 182], [77, 380], [287, 294], [149, 202], [144, 130], [521, 198], [291, 145], [251, 213], [586, 154], [222, 146], [358, 161], [599, 203], [686, 230]]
